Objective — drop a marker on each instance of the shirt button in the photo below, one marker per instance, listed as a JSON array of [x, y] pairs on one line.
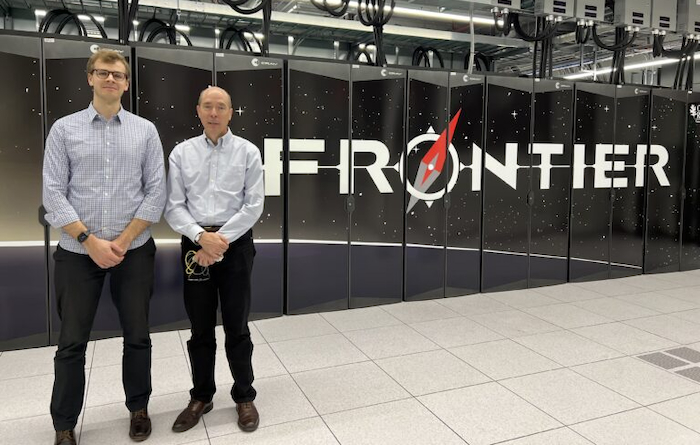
[[106, 194], [107, 143], [107, 159]]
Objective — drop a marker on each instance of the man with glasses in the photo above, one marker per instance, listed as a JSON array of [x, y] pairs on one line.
[[215, 197], [104, 185]]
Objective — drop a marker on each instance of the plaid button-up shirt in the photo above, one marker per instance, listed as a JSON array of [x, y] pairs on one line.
[[103, 173]]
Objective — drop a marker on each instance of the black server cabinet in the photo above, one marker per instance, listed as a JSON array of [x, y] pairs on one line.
[[66, 92], [319, 125], [464, 161], [665, 180], [551, 151], [168, 83], [594, 134], [425, 174], [690, 258], [506, 184], [377, 190], [23, 293], [627, 170], [257, 96]]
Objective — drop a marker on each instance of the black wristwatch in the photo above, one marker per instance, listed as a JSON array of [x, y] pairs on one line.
[[83, 236]]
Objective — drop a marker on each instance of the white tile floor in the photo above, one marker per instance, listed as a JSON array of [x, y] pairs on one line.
[[549, 366]]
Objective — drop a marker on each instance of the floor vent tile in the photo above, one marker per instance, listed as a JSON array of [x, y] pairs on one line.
[[663, 360], [687, 354]]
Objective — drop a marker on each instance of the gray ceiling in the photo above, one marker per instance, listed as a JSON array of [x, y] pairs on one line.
[[307, 22]]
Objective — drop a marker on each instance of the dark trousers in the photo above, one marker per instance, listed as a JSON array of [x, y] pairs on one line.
[[79, 284], [229, 282]]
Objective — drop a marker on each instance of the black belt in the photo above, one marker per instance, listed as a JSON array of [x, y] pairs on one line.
[[211, 228]]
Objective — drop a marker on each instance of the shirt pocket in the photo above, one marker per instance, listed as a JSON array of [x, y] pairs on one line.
[[231, 178]]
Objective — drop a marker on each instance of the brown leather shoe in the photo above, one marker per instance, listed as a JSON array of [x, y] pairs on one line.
[[66, 437], [140, 428], [189, 417], [248, 417]]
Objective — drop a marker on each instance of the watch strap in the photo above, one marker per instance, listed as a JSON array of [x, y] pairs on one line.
[[82, 237]]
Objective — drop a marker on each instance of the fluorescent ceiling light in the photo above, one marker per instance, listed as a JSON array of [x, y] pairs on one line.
[[636, 66], [86, 18], [584, 74], [420, 13], [39, 12], [408, 12], [249, 35], [183, 28], [651, 63]]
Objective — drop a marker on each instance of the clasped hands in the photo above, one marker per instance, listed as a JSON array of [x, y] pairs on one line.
[[214, 245], [106, 253]]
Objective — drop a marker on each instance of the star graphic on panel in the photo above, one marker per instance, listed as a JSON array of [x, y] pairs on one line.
[[239, 111], [514, 114]]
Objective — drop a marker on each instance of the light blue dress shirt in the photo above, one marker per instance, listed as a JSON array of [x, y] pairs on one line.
[[103, 173], [215, 185]]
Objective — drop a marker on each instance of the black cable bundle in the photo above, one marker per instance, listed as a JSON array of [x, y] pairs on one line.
[[541, 33], [690, 81], [126, 24], [122, 27], [335, 11], [686, 56], [686, 67], [66, 17], [546, 62], [545, 31], [238, 35], [583, 33], [162, 27], [481, 62], [373, 14], [659, 49], [546, 55], [266, 7], [420, 55], [622, 41]]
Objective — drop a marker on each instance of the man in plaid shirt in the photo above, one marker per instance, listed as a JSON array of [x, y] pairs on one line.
[[104, 185]]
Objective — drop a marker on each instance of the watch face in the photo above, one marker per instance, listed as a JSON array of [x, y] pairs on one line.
[[83, 236]]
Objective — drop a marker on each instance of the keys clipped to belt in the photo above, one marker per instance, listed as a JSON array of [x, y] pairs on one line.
[[193, 270]]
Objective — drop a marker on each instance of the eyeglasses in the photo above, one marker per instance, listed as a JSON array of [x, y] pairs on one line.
[[104, 74]]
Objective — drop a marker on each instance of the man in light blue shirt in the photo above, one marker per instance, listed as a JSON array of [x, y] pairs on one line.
[[215, 197], [104, 185]]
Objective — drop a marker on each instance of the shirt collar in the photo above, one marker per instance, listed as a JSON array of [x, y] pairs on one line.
[[92, 113], [225, 139]]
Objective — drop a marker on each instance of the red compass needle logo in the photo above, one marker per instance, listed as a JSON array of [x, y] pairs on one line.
[[433, 162]]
